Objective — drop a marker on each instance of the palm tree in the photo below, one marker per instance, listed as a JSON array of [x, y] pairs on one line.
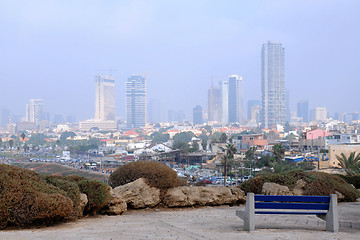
[[279, 151], [227, 158], [350, 164]]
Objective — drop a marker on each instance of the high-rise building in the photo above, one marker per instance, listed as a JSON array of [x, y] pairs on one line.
[[35, 110], [225, 101], [136, 101], [232, 100], [303, 110], [273, 84], [255, 113], [235, 99], [252, 103], [176, 116], [104, 98], [319, 114], [197, 115], [214, 104], [155, 111]]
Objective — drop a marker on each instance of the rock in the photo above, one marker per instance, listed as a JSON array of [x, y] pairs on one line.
[[192, 195], [138, 194], [117, 205], [270, 188], [298, 189], [300, 184], [83, 202], [340, 196]]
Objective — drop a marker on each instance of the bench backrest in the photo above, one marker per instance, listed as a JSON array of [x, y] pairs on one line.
[[292, 202]]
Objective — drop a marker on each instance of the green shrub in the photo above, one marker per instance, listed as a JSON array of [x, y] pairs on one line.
[[98, 194], [354, 180], [326, 184], [26, 198], [318, 183], [70, 188], [156, 174]]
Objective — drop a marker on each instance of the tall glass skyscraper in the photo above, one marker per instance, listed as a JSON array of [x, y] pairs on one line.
[[104, 98], [232, 100], [273, 110], [136, 101], [235, 99]]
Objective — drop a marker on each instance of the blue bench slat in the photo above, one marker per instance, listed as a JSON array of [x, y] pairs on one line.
[[276, 198], [277, 205], [293, 213]]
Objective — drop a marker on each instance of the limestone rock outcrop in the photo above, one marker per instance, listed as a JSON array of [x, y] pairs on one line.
[[270, 188], [138, 194], [117, 204], [190, 195], [83, 202]]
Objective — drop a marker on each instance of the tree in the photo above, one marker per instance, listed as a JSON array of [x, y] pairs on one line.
[[250, 153], [181, 145], [37, 139], [194, 147], [23, 136], [183, 137], [204, 144], [67, 134], [228, 157], [11, 143], [158, 137], [279, 151], [223, 138], [350, 164]]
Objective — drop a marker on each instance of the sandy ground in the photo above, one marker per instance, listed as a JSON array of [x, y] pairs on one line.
[[201, 223]]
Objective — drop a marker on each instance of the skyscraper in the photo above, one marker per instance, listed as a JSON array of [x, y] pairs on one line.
[[197, 115], [303, 110], [225, 101], [235, 99], [35, 110], [252, 103], [319, 114], [104, 98], [273, 110], [136, 101], [232, 99], [214, 104], [155, 111]]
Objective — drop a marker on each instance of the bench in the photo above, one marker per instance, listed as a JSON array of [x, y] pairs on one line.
[[324, 207]]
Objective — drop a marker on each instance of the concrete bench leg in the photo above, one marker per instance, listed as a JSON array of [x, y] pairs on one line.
[[249, 218], [332, 217]]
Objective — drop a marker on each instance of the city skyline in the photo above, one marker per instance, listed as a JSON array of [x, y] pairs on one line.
[[52, 51]]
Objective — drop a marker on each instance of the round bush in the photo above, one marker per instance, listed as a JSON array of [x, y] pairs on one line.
[[318, 183], [70, 188], [98, 194], [156, 174], [26, 198]]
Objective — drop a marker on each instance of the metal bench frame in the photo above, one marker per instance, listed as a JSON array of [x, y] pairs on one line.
[[324, 207]]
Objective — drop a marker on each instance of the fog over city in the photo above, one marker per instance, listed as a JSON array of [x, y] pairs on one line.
[[52, 50]]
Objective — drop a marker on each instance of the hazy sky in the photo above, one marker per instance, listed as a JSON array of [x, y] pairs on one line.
[[53, 49]]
